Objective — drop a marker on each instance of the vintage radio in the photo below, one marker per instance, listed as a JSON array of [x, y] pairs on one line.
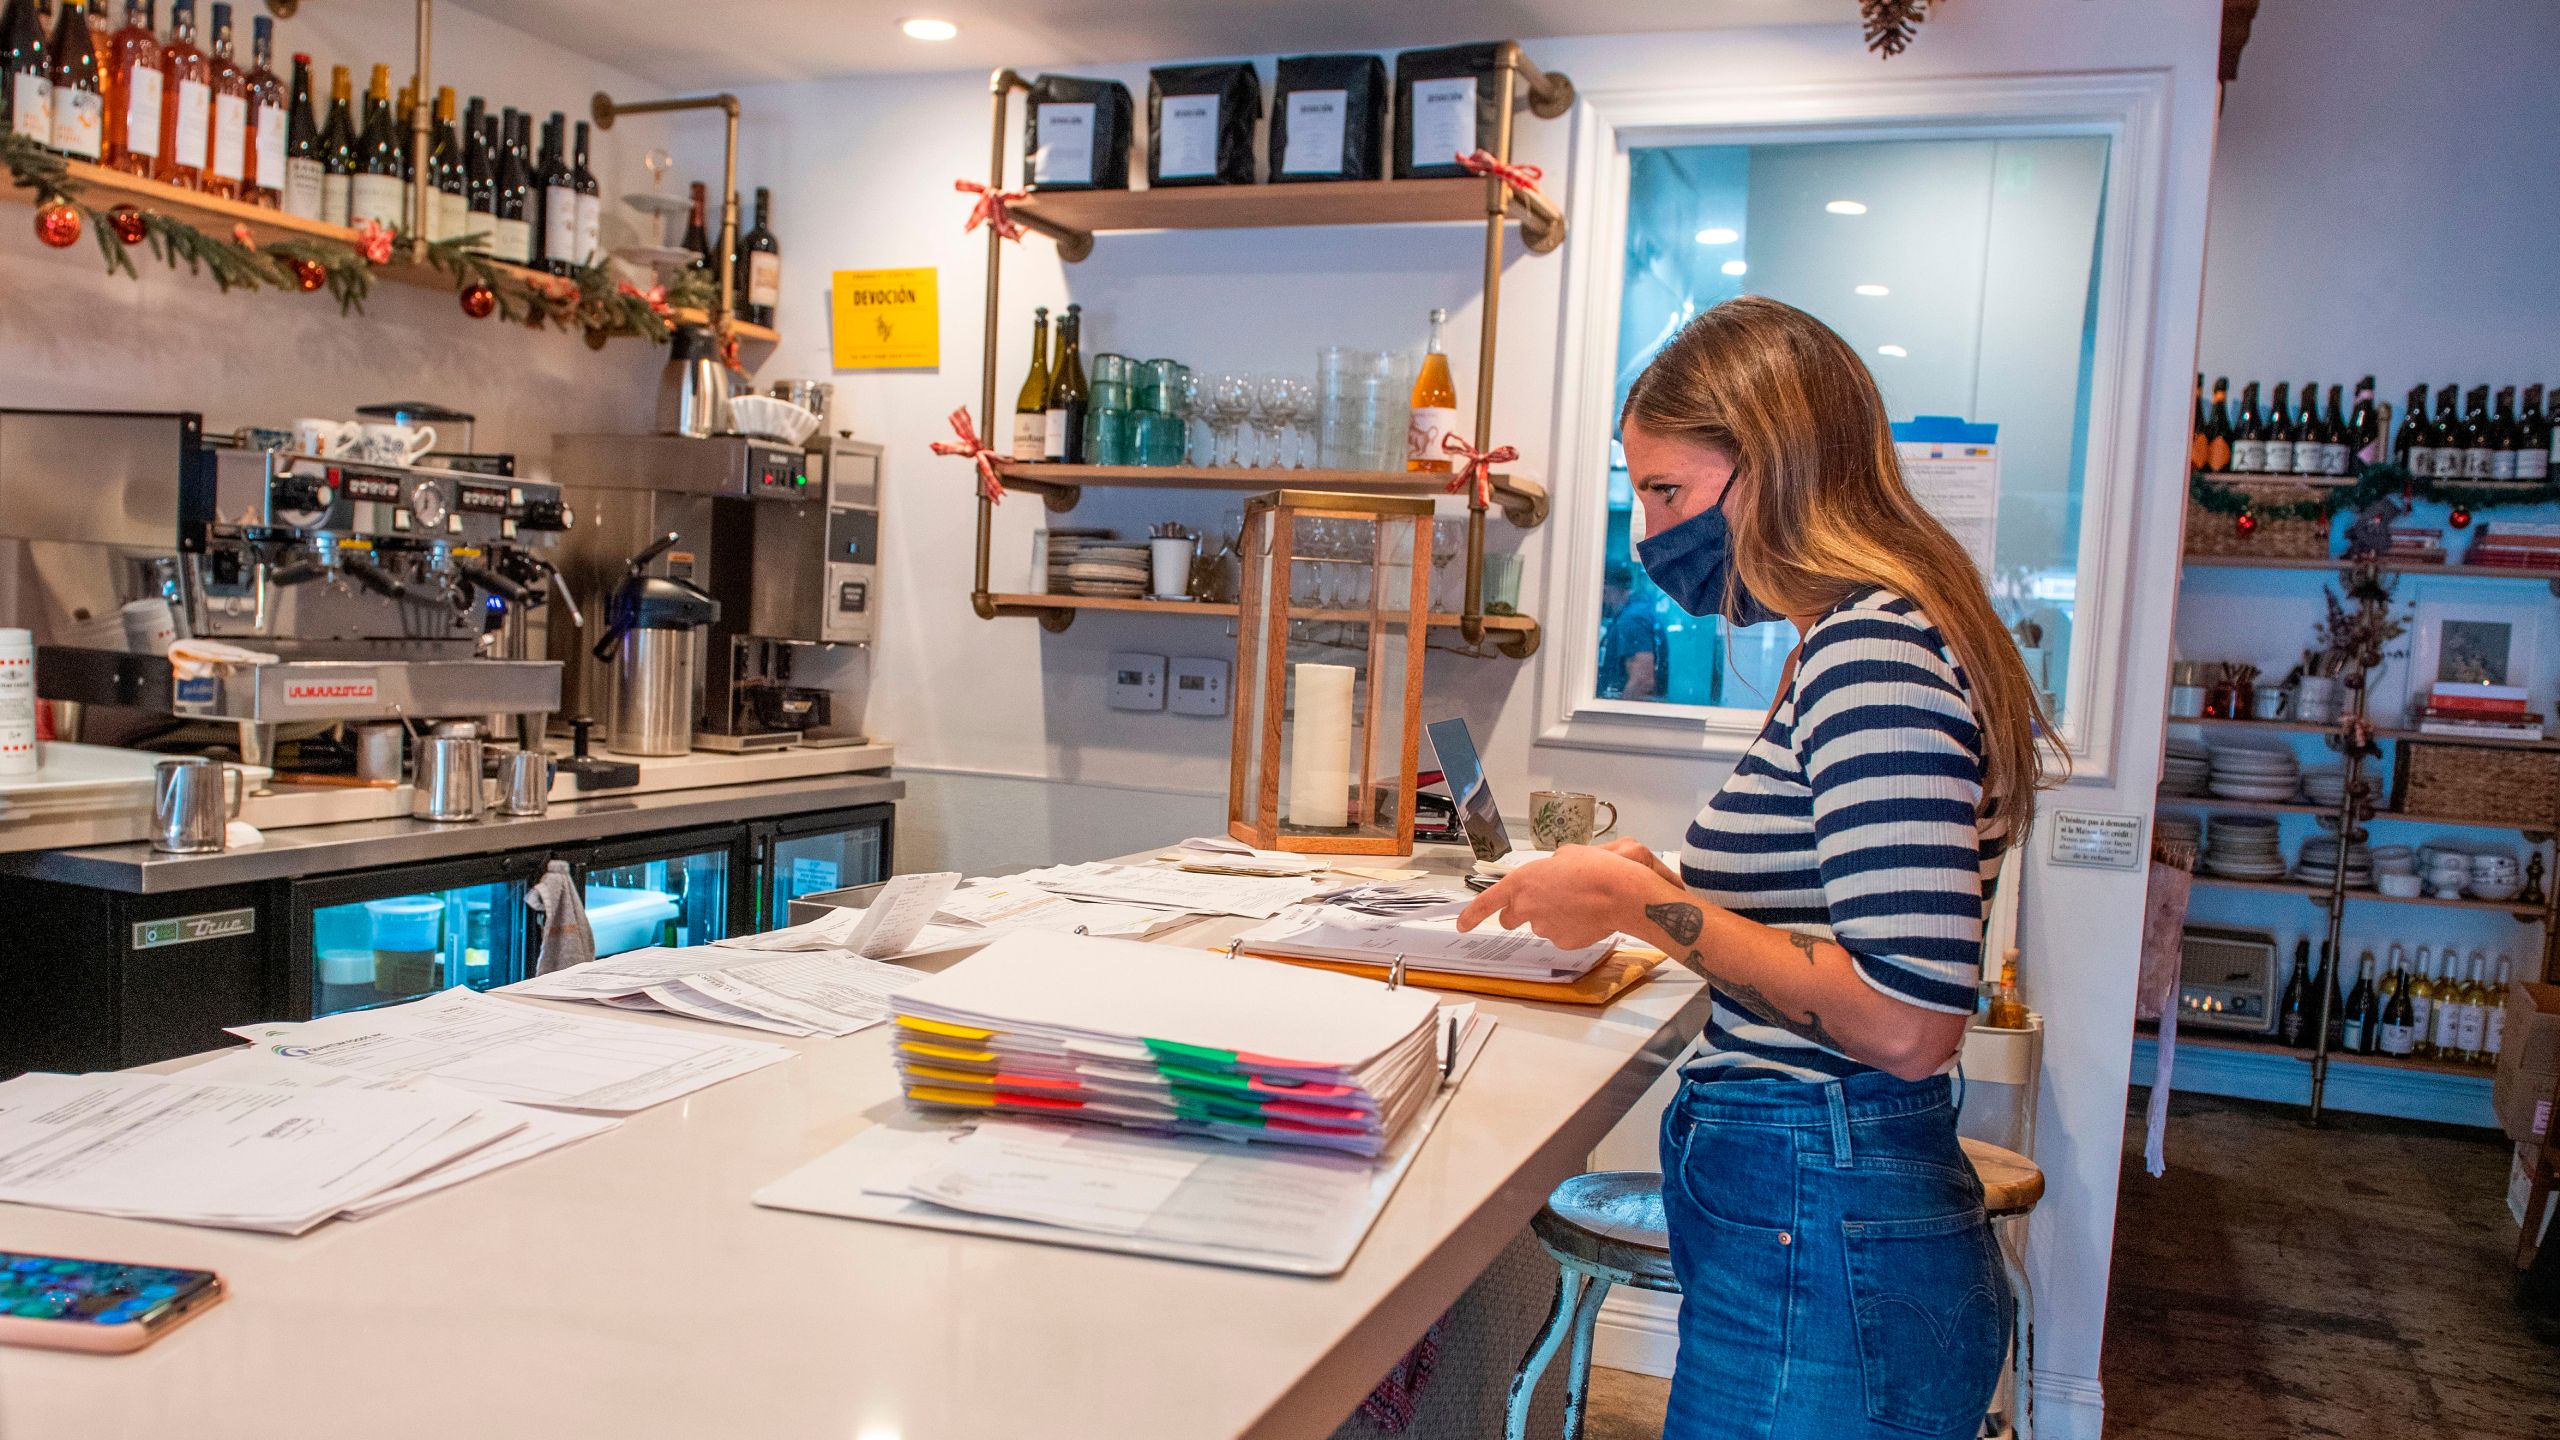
[[2227, 978]]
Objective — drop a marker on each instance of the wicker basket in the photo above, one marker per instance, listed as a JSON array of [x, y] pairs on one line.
[[2275, 538], [2481, 782]]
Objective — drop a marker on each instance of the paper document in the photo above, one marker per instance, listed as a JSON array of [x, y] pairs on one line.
[[516, 1052], [899, 913], [1000, 905], [1056, 1174], [628, 973], [1425, 942], [1255, 897]]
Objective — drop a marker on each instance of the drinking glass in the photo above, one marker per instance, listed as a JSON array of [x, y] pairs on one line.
[[1278, 401], [1160, 386], [1195, 407], [1309, 412], [1448, 537], [1230, 402]]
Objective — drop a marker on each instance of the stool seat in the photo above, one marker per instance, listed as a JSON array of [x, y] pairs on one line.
[[2011, 1183], [1611, 1222]]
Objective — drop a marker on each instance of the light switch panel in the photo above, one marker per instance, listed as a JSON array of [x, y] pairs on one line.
[[1137, 682], [1199, 686]]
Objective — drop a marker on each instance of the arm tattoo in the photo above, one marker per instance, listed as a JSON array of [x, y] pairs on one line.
[[1766, 1009], [1681, 922], [1804, 943]]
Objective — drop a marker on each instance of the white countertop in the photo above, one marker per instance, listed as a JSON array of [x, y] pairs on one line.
[[626, 1287]]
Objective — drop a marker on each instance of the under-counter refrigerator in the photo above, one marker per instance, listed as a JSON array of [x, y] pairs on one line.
[[805, 854], [377, 937], [689, 887]]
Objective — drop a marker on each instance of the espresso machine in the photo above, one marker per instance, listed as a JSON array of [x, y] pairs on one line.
[[785, 540], [383, 591]]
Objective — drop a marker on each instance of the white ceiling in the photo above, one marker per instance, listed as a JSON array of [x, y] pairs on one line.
[[680, 43]]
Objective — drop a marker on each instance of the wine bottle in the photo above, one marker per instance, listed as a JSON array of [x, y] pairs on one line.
[[2362, 1034], [268, 124], [2302, 457], [698, 240], [338, 152], [1063, 440], [133, 124], [404, 120], [1031, 407], [516, 198], [559, 252], [2217, 453], [2473, 1011], [450, 212], [2293, 1012], [2278, 433], [2412, 445], [2448, 1008], [479, 175], [302, 167], [2338, 447], [2551, 418], [227, 161], [1435, 406], [2364, 430], [186, 120], [2533, 459], [2493, 1026], [2333, 996], [2453, 439], [2196, 428], [760, 272], [590, 204], [2422, 1004], [2249, 437], [2479, 445], [79, 85], [30, 71], [374, 192], [2505, 436]]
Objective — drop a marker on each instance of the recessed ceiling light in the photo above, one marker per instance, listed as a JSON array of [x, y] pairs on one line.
[[1734, 267], [923, 28], [1846, 207], [1873, 290], [1896, 351], [1718, 235]]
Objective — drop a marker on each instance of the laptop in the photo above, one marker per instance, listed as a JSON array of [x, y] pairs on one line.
[[1478, 815]]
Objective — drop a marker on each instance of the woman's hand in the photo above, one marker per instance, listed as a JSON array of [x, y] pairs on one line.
[[1580, 895], [1644, 855]]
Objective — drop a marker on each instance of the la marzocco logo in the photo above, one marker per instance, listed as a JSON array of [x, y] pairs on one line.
[[326, 692]]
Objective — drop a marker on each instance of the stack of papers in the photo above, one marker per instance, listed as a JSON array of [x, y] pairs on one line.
[[778, 989], [1374, 929], [1184, 1043], [1256, 897], [277, 1158]]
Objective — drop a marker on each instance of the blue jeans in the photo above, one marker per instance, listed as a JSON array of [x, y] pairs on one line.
[[1837, 1277]]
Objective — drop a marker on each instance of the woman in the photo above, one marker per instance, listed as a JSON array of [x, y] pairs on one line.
[[1839, 1278]]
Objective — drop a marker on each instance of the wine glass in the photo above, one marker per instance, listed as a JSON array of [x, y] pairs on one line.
[[1230, 402], [1308, 411], [1194, 407], [1278, 399], [1447, 537]]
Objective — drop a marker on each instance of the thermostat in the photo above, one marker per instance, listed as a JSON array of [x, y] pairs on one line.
[[1199, 687], [1137, 682]]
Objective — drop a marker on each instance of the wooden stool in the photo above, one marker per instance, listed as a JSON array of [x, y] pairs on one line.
[[1604, 1228], [2011, 1186]]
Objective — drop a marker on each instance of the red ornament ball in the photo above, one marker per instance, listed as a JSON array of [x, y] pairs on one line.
[[2245, 523], [58, 225], [479, 301], [309, 275], [128, 224], [2461, 517]]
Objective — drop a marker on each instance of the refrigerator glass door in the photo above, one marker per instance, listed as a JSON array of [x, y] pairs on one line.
[[403, 943], [828, 860], [673, 899]]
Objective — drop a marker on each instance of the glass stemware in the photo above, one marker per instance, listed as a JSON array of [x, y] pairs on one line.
[[1230, 402], [1277, 414], [1447, 538], [1194, 402], [1309, 410]]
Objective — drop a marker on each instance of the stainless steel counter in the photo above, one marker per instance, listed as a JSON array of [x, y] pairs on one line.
[[365, 844]]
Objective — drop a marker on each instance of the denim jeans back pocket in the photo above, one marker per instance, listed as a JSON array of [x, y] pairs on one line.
[[1933, 1319]]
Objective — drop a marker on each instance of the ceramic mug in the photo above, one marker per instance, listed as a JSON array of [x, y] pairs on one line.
[[397, 444], [1558, 818], [2268, 703], [328, 439]]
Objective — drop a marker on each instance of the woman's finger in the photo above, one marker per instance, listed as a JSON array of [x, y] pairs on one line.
[[1488, 901]]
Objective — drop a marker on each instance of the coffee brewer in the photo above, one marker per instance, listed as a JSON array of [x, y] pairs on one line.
[[785, 540]]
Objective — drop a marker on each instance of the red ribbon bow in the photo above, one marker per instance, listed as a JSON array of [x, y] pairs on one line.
[[1478, 468], [990, 210], [655, 297], [1518, 177], [373, 242], [988, 484]]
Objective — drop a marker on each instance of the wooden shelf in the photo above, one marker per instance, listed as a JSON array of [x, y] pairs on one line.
[[216, 216], [2196, 1035], [2304, 727], [1519, 633], [1244, 207], [1522, 501], [2464, 572], [2298, 807], [2319, 894]]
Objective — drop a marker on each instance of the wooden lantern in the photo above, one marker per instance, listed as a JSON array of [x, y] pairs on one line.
[[1333, 611]]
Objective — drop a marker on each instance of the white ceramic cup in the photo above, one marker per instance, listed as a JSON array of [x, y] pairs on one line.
[[398, 444], [328, 439], [1170, 564]]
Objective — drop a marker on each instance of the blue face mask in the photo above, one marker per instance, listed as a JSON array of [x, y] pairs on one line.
[[1691, 562]]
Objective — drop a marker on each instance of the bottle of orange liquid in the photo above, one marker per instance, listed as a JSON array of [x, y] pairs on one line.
[[1435, 406]]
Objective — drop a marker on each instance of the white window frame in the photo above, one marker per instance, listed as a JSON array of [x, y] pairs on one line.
[[2128, 108]]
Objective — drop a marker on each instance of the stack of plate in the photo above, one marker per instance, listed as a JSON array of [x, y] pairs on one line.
[[2188, 767], [2325, 787], [2242, 772], [2185, 830], [2320, 863], [1064, 546], [2243, 847], [1114, 568]]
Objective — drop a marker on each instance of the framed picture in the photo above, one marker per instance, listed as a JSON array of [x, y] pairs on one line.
[[2475, 642]]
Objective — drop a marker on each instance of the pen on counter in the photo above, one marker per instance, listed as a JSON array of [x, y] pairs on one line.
[[1449, 1062]]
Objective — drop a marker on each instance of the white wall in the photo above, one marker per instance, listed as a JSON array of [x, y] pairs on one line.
[[80, 338]]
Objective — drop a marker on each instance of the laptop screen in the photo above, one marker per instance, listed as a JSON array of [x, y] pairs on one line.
[[1477, 811]]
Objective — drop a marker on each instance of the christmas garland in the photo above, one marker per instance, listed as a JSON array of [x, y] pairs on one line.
[[589, 300], [2387, 481]]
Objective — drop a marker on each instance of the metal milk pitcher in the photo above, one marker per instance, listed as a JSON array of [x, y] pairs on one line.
[[193, 801]]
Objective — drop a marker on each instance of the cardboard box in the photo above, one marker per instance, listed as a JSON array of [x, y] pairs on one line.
[[2519, 1184], [2529, 1062]]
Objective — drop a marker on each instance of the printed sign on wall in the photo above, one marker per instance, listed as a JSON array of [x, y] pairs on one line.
[[888, 319]]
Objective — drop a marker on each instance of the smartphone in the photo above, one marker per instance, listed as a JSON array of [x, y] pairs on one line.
[[101, 1306]]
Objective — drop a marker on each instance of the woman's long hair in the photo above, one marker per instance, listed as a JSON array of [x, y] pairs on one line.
[[1818, 509]]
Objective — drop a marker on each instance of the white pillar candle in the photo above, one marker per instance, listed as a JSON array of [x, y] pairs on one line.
[[1320, 747]]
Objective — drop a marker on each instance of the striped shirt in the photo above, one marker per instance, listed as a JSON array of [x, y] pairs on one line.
[[1855, 817]]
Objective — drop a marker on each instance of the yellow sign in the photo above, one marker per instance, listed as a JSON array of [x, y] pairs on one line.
[[888, 319]]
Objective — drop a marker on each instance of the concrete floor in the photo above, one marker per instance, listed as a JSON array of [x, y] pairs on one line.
[[2281, 1283]]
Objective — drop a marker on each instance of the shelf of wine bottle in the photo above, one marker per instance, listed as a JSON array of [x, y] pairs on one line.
[[2197, 1036], [216, 216]]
